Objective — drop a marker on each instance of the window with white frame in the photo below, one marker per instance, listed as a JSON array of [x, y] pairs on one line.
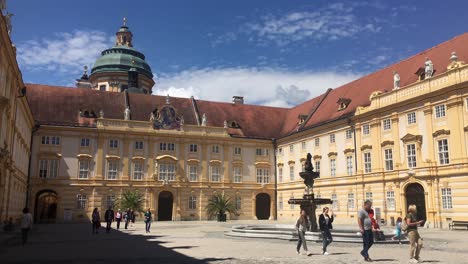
[[110, 201], [367, 162], [332, 138], [193, 173], [439, 111], [112, 169], [317, 165], [443, 151], [263, 175], [388, 153], [280, 174], [50, 140], [411, 155], [237, 151], [53, 173], [349, 165], [164, 146], [43, 168], [139, 145], [304, 145], [113, 143], [387, 124], [349, 134], [411, 118], [45, 140], [192, 202], [350, 200], [237, 174], [81, 201], [332, 167], [369, 196], [55, 140], [291, 148], [84, 169], [193, 148], [84, 142], [334, 199], [138, 170], [317, 142], [366, 129], [391, 200], [318, 196], [48, 168], [291, 173], [167, 172], [215, 173], [215, 148], [280, 202], [292, 206], [446, 198], [261, 152], [238, 202]]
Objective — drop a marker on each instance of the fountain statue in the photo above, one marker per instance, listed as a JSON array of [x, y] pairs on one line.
[[309, 203]]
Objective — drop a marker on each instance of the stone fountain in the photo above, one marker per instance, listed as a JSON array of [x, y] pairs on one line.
[[309, 203]]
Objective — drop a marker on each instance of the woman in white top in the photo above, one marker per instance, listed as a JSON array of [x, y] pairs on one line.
[[26, 224], [302, 224]]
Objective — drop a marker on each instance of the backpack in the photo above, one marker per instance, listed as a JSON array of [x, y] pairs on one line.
[[404, 226]]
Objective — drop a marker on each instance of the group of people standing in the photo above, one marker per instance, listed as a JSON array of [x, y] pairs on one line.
[[368, 228], [128, 216]]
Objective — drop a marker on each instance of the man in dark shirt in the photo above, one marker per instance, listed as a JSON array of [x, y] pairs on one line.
[[109, 217]]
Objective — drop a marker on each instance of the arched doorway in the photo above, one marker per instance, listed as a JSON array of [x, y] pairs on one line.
[[46, 206], [414, 194], [165, 202], [262, 206]]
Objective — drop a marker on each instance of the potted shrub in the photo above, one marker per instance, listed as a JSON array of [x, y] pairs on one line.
[[219, 205]]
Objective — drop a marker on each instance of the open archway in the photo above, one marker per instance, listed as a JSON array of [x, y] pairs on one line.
[[46, 206], [165, 203], [414, 194], [262, 206]]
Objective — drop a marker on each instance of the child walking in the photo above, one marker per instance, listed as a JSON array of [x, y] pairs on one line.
[[398, 230]]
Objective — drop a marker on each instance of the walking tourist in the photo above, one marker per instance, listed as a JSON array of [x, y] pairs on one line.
[[302, 225], [132, 217], [365, 227], [325, 224], [109, 217], [398, 230], [377, 233], [96, 220], [127, 218], [26, 225], [148, 219], [118, 218], [416, 242]]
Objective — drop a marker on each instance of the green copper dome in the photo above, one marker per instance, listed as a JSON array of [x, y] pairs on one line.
[[120, 59]]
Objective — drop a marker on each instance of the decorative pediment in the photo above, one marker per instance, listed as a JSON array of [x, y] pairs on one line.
[[237, 162], [166, 157], [166, 118], [84, 156], [441, 132], [138, 158], [291, 162], [375, 94], [332, 154], [112, 157], [280, 164], [348, 150], [316, 157], [262, 164], [302, 160], [365, 147], [387, 143], [213, 162], [49, 154], [412, 138], [193, 161]]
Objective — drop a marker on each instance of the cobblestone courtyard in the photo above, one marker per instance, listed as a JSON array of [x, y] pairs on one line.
[[204, 242]]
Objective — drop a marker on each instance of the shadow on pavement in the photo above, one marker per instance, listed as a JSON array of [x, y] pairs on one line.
[[75, 243]]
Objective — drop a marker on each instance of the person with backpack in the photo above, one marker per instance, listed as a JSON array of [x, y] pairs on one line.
[[411, 227], [109, 217], [148, 219], [302, 224], [118, 218], [325, 223]]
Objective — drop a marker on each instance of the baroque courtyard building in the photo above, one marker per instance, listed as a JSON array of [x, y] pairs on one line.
[[396, 136]]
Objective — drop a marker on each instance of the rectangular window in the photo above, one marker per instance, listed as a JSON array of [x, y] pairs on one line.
[[238, 203], [443, 152], [81, 201], [170, 147], [138, 170], [43, 168], [291, 148], [349, 134], [333, 167], [411, 155], [365, 129], [263, 175], [55, 140], [369, 196], [411, 118], [45, 140], [84, 169], [112, 169], [110, 200], [446, 198], [163, 146], [317, 142], [388, 159], [215, 149], [391, 200], [280, 174], [350, 200], [349, 165], [261, 152], [332, 138], [193, 148], [113, 143], [367, 162], [53, 168], [102, 88], [291, 173], [439, 111], [387, 124], [280, 202], [215, 173], [192, 202], [139, 145], [334, 199], [166, 172], [193, 173], [84, 142], [237, 174], [304, 145], [292, 206], [317, 165], [237, 151]]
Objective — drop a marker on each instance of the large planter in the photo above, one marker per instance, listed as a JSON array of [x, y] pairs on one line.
[[221, 217]]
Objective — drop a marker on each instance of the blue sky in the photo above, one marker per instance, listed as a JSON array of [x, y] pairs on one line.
[[273, 52]]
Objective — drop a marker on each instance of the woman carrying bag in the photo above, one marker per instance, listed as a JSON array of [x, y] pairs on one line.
[[325, 223]]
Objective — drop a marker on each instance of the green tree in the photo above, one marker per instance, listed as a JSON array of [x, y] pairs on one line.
[[219, 205], [131, 199]]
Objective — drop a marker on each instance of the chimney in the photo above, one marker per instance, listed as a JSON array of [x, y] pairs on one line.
[[238, 100]]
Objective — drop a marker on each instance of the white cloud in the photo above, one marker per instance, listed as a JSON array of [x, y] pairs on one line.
[[65, 52], [266, 86]]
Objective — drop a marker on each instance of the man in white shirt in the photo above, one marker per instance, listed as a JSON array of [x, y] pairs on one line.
[[26, 224]]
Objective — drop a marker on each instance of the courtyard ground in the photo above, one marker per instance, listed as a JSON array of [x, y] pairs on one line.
[[204, 242]]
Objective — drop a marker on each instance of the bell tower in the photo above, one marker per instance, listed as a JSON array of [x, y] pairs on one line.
[[124, 36]]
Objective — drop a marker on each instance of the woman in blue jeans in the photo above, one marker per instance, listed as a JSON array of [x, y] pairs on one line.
[[325, 223]]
